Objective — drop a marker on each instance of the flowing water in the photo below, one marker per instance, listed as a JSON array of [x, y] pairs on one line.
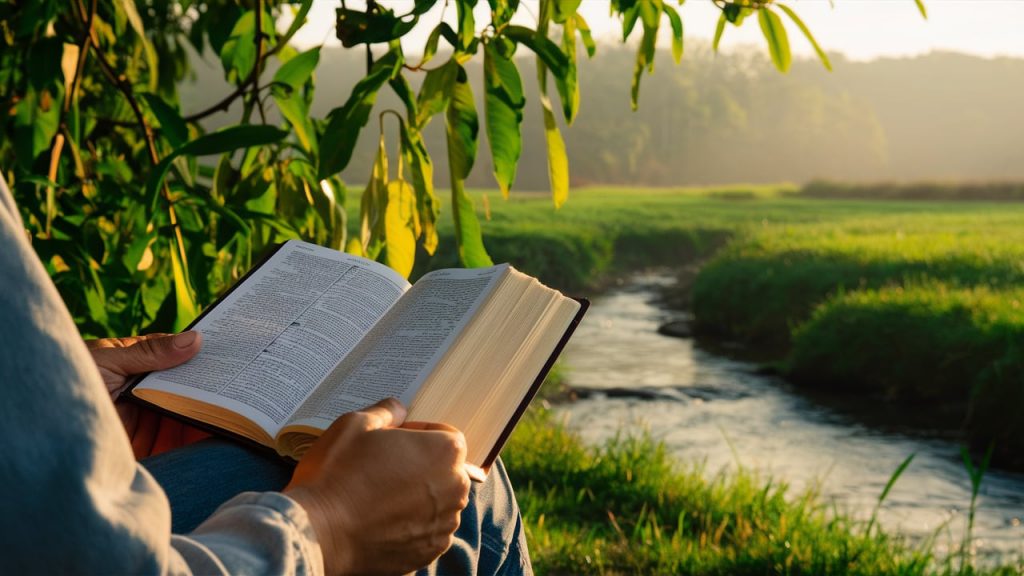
[[709, 408]]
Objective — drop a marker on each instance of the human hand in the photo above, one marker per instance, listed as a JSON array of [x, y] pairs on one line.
[[382, 499], [119, 359]]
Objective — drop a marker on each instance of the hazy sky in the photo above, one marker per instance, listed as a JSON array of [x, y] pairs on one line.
[[862, 29]]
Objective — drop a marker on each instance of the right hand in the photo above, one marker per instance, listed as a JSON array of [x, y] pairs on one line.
[[382, 499]]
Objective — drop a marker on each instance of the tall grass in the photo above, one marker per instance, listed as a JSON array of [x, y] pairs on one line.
[[763, 285], [627, 508]]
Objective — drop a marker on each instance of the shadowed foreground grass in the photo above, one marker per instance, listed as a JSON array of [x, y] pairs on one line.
[[627, 508]]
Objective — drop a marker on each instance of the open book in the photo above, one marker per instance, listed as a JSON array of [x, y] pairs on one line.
[[312, 333]]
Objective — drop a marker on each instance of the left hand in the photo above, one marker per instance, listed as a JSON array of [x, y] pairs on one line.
[[119, 359]]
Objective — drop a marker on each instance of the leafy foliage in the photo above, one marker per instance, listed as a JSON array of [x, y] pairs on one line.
[[141, 216]]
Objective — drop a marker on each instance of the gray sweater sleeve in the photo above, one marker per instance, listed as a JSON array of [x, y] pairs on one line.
[[74, 499]]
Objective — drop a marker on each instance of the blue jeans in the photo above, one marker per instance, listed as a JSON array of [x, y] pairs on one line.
[[200, 477]]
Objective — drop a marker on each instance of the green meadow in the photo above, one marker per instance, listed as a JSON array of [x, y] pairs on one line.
[[914, 302]]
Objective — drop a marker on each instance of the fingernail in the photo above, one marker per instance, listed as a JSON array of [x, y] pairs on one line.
[[185, 339]]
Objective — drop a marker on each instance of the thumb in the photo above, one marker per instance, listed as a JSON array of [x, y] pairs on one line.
[[387, 413], [148, 353]]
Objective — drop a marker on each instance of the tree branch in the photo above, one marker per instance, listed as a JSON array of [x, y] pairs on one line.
[[225, 103], [257, 68]]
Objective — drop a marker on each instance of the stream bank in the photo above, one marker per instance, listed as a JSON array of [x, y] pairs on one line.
[[726, 413]]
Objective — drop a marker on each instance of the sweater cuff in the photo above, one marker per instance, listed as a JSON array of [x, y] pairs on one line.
[[294, 515]]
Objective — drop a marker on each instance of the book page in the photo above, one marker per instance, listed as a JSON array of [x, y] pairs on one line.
[[400, 352], [269, 343]]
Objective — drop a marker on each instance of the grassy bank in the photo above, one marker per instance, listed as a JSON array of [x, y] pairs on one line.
[[770, 280], [627, 508], [926, 344]]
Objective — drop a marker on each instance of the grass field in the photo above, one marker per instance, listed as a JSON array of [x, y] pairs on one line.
[[911, 301]]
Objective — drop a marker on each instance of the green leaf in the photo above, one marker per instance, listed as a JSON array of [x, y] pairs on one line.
[[401, 226], [719, 29], [300, 18], [503, 106], [462, 128], [644, 60], [564, 10], [629, 19], [171, 123], [735, 13], [549, 52], [568, 85], [436, 91], [187, 310], [430, 48], [562, 68], [807, 32], [502, 11], [428, 206], [421, 7], [287, 92], [132, 14], [297, 71], [403, 90], [343, 127], [231, 138], [468, 235], [95, 296], [238, 55], [677, 32], [650, 13], [296, 111], [921, 8], [775, 33], [586, 36], [357, 27], [374, 204], [895, 476], [219, 142], [558, 161], [467, 25], [36, 121]]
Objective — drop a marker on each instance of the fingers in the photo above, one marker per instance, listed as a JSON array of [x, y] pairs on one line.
[[387, 413], [475, 473], [418, 425], [148, 353]]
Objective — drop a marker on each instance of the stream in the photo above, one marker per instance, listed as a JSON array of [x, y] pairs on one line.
[[698, 403]]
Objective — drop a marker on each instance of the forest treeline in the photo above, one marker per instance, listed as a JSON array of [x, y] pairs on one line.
[[731, 117]]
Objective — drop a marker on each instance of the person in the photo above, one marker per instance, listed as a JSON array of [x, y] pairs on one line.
[[375, 494]]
